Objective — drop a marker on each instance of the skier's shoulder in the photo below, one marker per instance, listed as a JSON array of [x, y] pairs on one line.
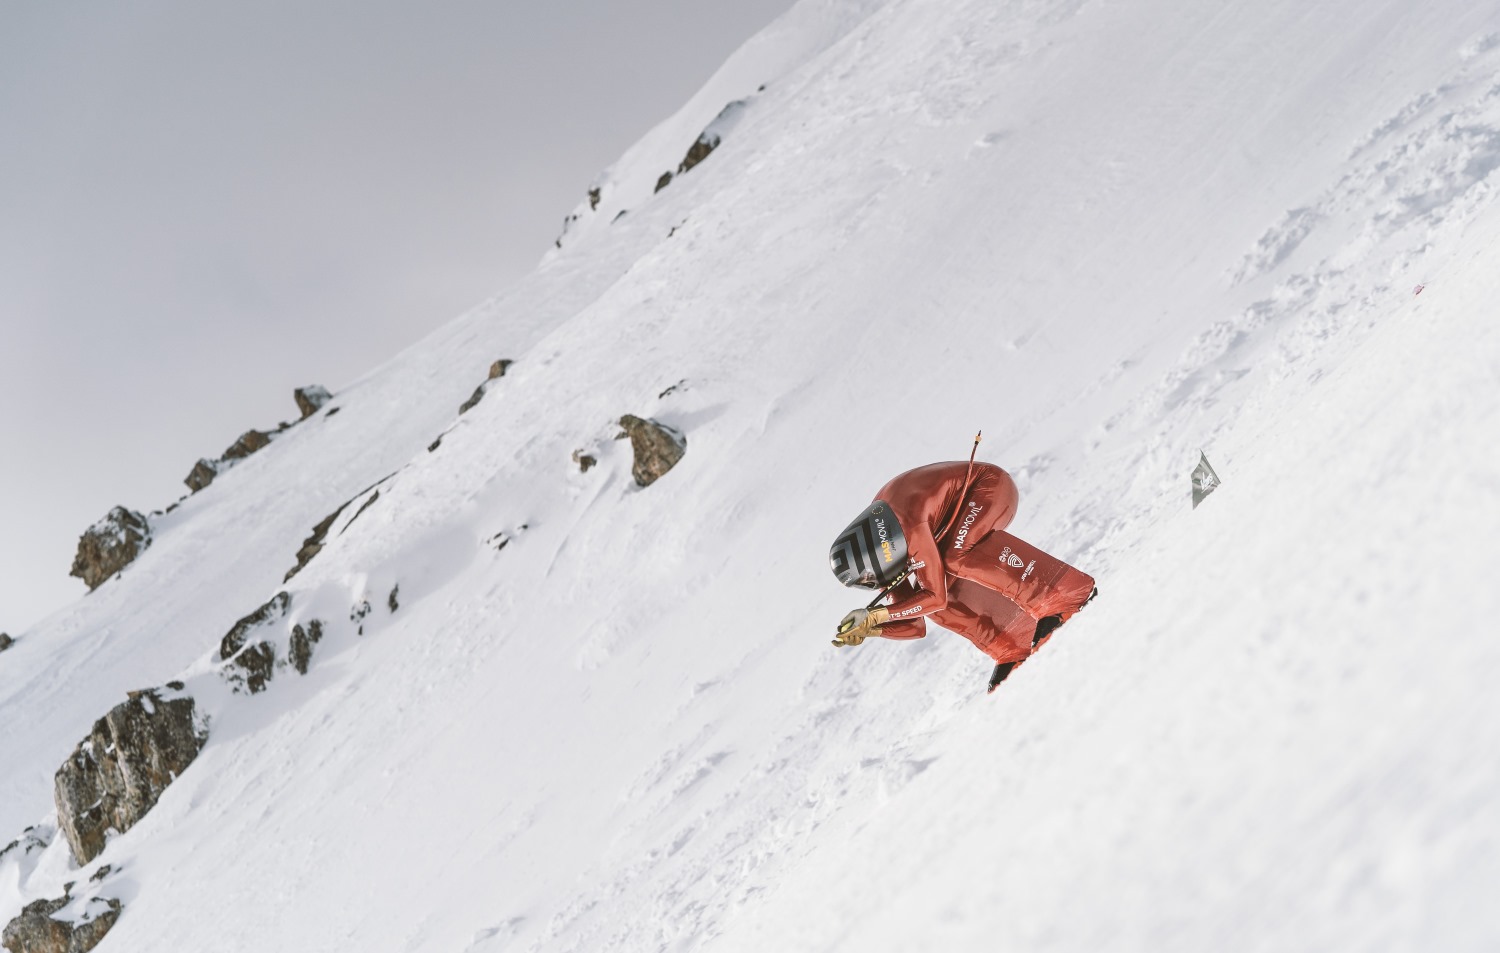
[[928, 477]]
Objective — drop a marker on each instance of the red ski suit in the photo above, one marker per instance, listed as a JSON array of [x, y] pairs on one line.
[[978, 581]]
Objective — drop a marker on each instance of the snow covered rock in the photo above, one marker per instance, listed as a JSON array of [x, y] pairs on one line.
[[657, 448], [35, 931], [255, 663], [120, 770], [497, 370], [708, 140], [310, 399], [110, 545]]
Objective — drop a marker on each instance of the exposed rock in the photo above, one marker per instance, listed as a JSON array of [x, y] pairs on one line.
[[392, 602], [594, 196], [357, 614], [110, 545], [302, 642], [6, 641], [310, 399], [698, 151], [473, 401], [249, 442], [657, 448], [585, 461], [360, 512], [30, 840], [203, 474], [497, 370], [34, 931], [239, 633], [708, 140], [313, 544], [120, 770], [255, 663]]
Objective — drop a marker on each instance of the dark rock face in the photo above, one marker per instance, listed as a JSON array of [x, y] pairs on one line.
[[6, 641], [238, 634], [203, 474], [255, 663], [594, 196], [657, 448], [110, 545], [497, 370], [249, 442], [313, 544], [473, 400], [258, 663], [34, 931], [585, 461], [310, 399], [663, 182], [303, 640], [120, 770], [698, 151]]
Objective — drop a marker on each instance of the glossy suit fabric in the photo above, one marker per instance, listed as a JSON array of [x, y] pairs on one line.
[[977, 580]]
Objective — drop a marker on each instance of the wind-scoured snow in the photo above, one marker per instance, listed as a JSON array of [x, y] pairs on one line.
[[552, 711]]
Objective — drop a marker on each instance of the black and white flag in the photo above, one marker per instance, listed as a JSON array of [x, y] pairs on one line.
[[1205, 480]]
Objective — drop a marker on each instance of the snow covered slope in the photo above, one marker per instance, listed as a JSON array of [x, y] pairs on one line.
[[553, 711]]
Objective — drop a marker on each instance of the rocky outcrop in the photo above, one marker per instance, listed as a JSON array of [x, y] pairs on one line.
[[698, 151], [657, 448], [302, 642], [708, 140], [250, 441], [34, 931], [585, 461], [6, 641], [30, 840], [120, 770], [110, 545], [310, 399], [252, 665], [202, 475], [313, 544], [497, 370]]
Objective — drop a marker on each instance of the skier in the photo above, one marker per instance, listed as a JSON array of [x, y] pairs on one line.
[[939, 529]]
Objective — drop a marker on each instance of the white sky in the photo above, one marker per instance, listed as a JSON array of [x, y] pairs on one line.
[[205, 205]]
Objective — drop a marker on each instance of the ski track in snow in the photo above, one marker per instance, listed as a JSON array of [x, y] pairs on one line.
[[552, 711]]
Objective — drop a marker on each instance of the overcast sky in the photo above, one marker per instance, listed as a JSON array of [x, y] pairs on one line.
[[206, 204]]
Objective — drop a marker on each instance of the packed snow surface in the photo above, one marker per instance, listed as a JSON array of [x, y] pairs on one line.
[[552, 711]]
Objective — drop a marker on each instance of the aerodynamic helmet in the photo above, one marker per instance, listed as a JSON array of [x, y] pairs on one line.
[[872, 552]]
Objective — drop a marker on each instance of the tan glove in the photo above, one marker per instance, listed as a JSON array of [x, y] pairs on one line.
[[860, 624]]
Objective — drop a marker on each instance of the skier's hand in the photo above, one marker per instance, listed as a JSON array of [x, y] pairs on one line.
[[860, 624]]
